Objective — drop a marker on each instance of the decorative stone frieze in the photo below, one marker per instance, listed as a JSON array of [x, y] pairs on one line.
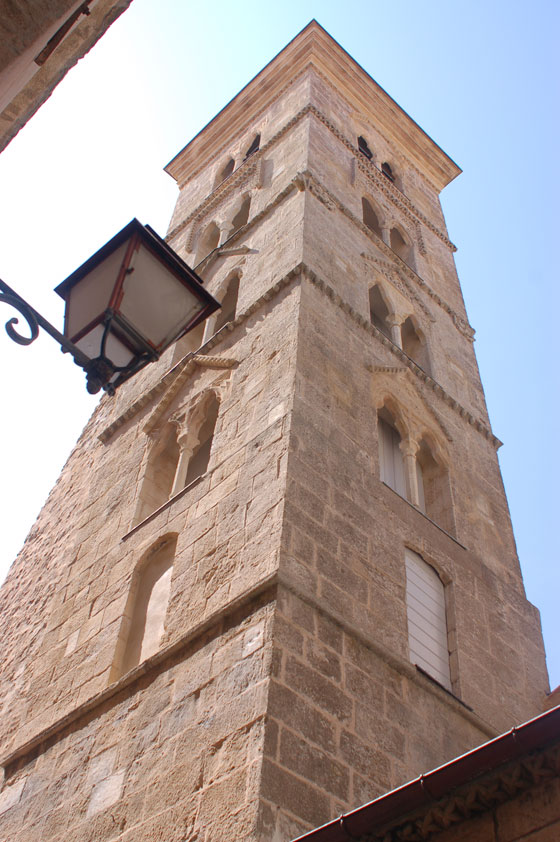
[[249, 172], [472, 800], [398, 280]]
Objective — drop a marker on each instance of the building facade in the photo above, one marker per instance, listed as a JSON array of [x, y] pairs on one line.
[[277, 575], [40, 40]]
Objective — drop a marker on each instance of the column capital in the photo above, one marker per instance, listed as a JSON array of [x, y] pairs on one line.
[[409, 447]]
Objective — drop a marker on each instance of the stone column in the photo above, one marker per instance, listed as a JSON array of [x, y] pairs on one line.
[[409, 448], [386, 236], [187, 442], [394, 323]]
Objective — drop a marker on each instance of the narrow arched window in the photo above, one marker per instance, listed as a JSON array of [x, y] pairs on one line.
[[229, 303], [387, 171], [370, 217], [364, 148], [254, 147], [159, 474], [224, 172], [400, 246], [209, 240], [427, 619], [434, 489], [143, 623], [391, 464], [188, 343], [414, 345], [200, 456], [241, 217], [378, 311]]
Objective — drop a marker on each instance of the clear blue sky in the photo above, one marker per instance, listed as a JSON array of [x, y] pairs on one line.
[[479, 77]]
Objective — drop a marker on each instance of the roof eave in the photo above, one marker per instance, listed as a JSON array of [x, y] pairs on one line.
[[314, 46]]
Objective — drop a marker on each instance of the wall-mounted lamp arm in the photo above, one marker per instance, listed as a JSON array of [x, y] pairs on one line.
[[34, 321]]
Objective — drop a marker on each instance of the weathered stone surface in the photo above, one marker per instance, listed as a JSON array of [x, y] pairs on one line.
[[280, 690]]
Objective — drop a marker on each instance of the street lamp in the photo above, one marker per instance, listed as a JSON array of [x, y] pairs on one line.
[[124, 307]]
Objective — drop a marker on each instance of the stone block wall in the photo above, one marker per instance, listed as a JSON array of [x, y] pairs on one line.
[[282, 693], [172, 755]]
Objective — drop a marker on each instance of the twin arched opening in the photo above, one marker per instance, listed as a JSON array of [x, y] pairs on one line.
[[178, 456], [402, 331], [414, 466]]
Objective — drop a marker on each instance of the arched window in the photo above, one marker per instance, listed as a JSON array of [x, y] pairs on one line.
[[391, 463], [200, 454], [254, 147], [434, 489], [143, 623], [364, 148], [370, 217], [378, 311], [242, 215], [188, 343], [414, 345], [157, 482], [208, 241], [229, 304], [195, 441], [427, 619], [387, 171], [400, 246], [224, 172]]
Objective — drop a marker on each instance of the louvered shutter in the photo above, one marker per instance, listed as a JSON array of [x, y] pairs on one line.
[[390, 458], [427, 622]]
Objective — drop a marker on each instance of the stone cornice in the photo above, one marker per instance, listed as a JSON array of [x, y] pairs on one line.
[[313, 46], [295, 275], [431, 384], [248, 171], [169, 384], [183, 369], [257, 594], [264, 590], [394, 370], [307, 181], [198, 360], [311, 183]]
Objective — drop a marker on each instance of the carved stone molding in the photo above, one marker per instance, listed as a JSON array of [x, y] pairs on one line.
[[481, 796], [428, 382], [168, 385], [419, 396], [398, 280], [295, 276], [251, 168], [396, 263], [305, 181], [246, 177]]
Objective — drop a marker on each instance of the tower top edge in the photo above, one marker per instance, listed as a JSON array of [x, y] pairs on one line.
[[313, 46]]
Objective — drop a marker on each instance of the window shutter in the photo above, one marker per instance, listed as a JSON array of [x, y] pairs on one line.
[[427, 622], [390, 458]]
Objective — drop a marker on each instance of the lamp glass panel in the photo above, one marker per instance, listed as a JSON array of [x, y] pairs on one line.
[[91, 295], [115, 350], [155, 302]]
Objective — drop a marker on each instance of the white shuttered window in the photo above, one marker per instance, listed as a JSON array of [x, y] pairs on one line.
[[427, 622], [390, 458]]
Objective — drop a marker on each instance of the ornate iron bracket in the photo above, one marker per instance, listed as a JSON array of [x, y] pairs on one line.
[[98, 371]]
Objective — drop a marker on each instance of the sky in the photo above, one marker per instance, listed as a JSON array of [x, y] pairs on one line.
[[481, 80]]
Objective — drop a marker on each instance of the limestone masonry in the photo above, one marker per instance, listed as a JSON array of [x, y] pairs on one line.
[[277, 575]]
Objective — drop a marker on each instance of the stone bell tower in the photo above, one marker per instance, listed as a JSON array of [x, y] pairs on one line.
[[277, 575]]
